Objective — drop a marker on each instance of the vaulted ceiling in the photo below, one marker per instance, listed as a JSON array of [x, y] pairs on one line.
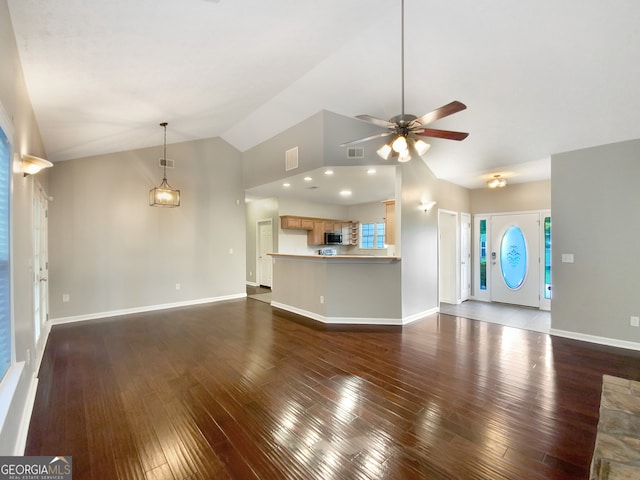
[[538, 76]]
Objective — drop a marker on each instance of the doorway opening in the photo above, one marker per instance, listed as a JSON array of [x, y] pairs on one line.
[[264, 246]]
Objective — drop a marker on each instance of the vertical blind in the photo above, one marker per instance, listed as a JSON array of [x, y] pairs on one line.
[[5, 271]]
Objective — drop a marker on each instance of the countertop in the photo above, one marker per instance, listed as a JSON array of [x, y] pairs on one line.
[[364, 258]]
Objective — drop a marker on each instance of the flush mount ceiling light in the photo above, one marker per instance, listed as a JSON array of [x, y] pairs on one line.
[[32, 164], [164, 195], [405, 129], [497, 182]]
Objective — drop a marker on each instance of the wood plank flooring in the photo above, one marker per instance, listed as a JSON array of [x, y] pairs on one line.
[[240, 390]]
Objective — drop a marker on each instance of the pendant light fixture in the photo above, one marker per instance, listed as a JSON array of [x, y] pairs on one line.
[[164, 195]]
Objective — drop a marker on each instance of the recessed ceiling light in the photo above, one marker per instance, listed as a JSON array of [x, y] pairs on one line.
[[371, 171], [286, 185], [307, 179], [345, 193], [328, 172]]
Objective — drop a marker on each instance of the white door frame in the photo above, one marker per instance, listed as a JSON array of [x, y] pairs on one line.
[[259, 259], [448, 257], [485, 295], [465, 256]]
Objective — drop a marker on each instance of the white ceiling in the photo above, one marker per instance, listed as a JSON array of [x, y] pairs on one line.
[[325, 185], [538, 76]]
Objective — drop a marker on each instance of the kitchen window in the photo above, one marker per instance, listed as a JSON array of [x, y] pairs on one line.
[[372, 235]]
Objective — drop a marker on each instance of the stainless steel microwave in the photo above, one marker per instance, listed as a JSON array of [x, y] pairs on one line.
[[332, 238]]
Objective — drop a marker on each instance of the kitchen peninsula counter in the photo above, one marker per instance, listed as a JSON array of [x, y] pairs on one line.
[[339, 289]]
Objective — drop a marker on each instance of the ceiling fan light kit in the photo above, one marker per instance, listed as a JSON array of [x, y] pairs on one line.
[[405, 129]]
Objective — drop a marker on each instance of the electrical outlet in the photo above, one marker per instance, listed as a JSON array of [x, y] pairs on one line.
[[66, 297], [321, 298], [634, 321], [231, 251], [177, 286]]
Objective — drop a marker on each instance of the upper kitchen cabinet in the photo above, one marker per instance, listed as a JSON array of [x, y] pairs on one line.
[[296, 223]]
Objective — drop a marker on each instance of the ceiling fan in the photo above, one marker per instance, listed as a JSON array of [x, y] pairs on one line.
[[406, 129]]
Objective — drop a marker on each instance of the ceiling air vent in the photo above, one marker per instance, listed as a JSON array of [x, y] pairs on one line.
[[355, 152], [168, 161], [291, 159]]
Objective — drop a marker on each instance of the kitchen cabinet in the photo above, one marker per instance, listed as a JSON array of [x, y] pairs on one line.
[[317, 227], [316, 235], [296, 223], [390, 222]]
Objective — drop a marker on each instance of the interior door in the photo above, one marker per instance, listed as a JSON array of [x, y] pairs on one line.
[[447, 258], [265, 245], [40, 265], [465, 256], [515, 259]]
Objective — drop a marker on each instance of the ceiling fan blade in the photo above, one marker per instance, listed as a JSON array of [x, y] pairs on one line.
[[366, 139], [447, 134], [445, 111], [376, 121]]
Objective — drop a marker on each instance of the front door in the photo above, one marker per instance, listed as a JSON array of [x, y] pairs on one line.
[[265, 246], [515, 259]]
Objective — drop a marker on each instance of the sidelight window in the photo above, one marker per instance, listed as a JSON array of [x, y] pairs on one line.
[[483, 254]]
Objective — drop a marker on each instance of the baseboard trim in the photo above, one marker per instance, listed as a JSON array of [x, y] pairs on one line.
[[252, 284], [21, 441], [419, 316], [150, 308], [354, 320], [611, 342]]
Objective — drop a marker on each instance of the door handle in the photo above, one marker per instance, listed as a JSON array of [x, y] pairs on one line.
[[43, 279]]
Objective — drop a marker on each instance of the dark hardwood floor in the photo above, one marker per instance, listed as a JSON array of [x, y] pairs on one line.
[[240, 390]]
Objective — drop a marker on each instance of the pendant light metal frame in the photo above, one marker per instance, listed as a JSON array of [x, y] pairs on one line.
[[164, 195]]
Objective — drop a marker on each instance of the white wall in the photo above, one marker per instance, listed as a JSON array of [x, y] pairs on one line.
[[25, 139], [111, 251], [595, 202]]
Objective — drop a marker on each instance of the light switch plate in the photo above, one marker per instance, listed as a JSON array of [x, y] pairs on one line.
[[567, 258]]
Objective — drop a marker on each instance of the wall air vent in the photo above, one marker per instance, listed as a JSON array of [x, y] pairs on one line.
[[161, 162], [355, 152], [291, 159]]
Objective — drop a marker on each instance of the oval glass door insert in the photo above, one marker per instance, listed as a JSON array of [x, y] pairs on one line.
[[513, 257]]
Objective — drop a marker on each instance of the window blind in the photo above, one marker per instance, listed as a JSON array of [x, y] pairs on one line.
[[5, 271]]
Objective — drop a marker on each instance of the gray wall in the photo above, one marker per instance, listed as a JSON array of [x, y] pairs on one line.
[[110, 251], [418, 237], [265, 162], [595, 201], [26, 139]]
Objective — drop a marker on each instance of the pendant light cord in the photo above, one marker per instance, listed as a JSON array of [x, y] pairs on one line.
[[164, 155], [402, 53]]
